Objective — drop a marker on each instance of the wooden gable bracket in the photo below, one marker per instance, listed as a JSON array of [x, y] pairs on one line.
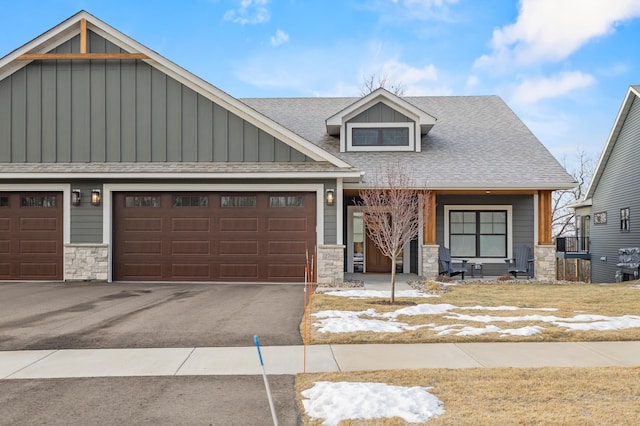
[[83, 55]]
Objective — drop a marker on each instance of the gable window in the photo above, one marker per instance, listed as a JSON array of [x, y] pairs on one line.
[[380, 136], [624, 219]]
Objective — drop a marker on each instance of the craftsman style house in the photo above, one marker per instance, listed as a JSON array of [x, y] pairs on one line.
[[609, 215], [117, 164]]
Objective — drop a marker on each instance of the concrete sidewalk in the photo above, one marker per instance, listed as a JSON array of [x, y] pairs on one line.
[[320, 358]]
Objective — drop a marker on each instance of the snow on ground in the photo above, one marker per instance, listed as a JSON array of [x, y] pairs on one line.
[[372, 320], [362, 294], [336, 401]]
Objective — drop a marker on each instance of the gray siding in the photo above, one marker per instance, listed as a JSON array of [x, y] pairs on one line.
[[120, 111], [380, 113], [617, 189], [523, 217], [86, 219]]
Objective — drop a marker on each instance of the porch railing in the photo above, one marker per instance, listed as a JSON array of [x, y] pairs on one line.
[[572, 244]]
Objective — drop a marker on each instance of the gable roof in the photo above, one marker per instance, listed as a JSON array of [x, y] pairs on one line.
[[335, 122], [633, 93], [478, 143], [71, 28]]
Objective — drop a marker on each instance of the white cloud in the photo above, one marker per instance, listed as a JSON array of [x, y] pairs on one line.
[[249, 12], [279, 38], [414, 80], [533, 90], [551, 30]]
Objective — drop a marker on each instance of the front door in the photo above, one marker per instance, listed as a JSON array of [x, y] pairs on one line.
[[376, 261]]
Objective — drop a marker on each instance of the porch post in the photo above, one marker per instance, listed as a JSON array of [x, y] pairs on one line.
[[429, 246], [545, 269]]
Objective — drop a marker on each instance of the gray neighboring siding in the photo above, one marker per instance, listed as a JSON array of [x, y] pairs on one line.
[[86, 219], [120, 111], [617, 189], [523, 217], [380, 113]]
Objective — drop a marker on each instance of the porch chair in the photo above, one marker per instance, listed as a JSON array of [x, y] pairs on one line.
[[522, 261], [447, 266]]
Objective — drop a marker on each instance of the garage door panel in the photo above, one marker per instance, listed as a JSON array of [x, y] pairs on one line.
[[235, 237], [287, 224], [5, 223], [192, 248], [38, 270], [190, 224], [142, 247], [233, 248], [190, 271], [143, 224], [5, 270], [38, 224], [5, 247], [237, 271], [231, 224], [38, 247]]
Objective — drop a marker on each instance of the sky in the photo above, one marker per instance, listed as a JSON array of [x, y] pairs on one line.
[[563, 66]]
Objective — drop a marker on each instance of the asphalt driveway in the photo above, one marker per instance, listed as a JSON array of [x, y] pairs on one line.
[[139, 315]]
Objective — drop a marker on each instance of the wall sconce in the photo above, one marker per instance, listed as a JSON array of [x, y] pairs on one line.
[[330, 196], [96, 198], [75, 197]]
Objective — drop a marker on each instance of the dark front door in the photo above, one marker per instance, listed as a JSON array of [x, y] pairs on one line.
[[376, 261]]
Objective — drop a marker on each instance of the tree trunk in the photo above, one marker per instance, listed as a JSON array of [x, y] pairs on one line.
[[393, 280]]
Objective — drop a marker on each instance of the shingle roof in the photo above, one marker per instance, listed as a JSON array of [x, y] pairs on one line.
[[476, 143]]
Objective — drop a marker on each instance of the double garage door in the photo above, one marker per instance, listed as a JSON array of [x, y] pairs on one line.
[[212, 236], [31, 236]]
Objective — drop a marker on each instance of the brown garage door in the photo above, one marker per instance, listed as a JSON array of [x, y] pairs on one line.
[[31, 236], [212, 236]]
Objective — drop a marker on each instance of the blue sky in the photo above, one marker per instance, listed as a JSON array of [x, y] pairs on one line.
[[563, 66]]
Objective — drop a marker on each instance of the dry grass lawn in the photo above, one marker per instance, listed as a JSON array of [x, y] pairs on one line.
[[508, 396], [569, 300]]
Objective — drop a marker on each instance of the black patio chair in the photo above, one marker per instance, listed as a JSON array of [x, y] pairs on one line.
[[447, 266], [521, 262]]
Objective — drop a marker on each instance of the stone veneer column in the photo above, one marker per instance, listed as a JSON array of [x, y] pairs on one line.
[[545, 262], [430, 261], [330, 264], [86, 262]]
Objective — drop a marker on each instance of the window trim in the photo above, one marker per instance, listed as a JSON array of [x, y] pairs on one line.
[[625, 219], [482, 207], [408, 124]]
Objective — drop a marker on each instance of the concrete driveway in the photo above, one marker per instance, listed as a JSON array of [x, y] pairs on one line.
[[126, 315]]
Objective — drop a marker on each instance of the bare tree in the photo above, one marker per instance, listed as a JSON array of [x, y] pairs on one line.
[[391, 214], [373, 82], [563, 222]]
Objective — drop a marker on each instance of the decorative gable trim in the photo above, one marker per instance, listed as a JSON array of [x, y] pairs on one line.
[[633, 94], [72, 27], [336, 124]]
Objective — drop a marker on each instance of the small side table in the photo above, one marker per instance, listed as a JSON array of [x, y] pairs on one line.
[[477, 270]]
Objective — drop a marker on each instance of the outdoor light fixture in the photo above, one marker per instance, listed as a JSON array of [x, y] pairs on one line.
[[330, 196], [75, 197], [96, 198]]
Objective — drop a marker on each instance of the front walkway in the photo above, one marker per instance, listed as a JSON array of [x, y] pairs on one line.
[[320, 358]]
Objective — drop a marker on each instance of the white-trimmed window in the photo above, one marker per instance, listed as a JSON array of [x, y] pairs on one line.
[[381, 136], [478, 232]]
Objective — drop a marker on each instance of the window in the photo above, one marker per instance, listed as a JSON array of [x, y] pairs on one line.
[[624, 219], [237, 201], [385, 136], [286, 201], [478, 233], [600, 218], [142, 201], [190, 201], [4, 201], [38, 201]]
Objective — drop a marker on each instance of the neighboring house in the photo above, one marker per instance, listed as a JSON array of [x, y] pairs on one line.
[[608, 218], [116, 164]]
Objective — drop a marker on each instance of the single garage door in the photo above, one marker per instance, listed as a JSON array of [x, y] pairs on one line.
[[212, 236], [31, 236]]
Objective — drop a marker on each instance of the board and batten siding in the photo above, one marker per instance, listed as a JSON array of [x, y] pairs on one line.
[[380, 113], [120, 111], [617, 189]]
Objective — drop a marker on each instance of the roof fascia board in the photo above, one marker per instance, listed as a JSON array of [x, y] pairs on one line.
[[453, 187], [351, 174], [70, 28], [611, 140]]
